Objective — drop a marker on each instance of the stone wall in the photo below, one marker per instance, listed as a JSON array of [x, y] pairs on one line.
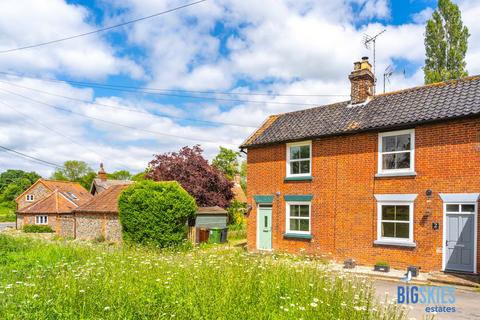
[[39, 192], [113, 229], [66, 226], [90, 226]]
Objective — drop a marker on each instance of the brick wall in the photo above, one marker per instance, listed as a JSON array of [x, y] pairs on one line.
[[344, 210]]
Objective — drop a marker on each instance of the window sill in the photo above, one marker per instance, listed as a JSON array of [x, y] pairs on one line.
[[395, 174], [303, 178], [395, 243], [297, 236]]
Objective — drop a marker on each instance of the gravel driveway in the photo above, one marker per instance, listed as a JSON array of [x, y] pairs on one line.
[[467, 303]]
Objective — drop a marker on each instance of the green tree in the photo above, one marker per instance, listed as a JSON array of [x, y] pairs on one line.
[[243, 175], [120, 175], [15, 176], [14, 182], [155, 213], [139, 176], [446, 43], [227, 162], [75, 171]]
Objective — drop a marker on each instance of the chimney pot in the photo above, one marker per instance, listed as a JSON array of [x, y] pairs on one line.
[[102, 175], [362, 81]]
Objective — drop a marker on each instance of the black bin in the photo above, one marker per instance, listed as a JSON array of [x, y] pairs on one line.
[[223, 235]]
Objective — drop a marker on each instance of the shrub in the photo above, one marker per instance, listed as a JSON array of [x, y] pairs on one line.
[[155, 213], [236, 212], [32, 228]]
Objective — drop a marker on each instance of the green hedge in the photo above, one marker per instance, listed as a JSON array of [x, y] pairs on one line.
[[155, 213], [32, 228]]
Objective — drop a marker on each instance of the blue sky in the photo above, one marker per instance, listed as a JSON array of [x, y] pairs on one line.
[[296, 54]]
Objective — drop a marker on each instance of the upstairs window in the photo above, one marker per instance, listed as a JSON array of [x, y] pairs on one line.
[[396, 152], [299, 159], [29, 197]]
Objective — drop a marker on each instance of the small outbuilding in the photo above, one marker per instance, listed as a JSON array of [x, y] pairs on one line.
[[206, 219]]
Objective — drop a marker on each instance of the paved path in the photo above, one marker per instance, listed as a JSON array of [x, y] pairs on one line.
[[4, 225], [467, 303]]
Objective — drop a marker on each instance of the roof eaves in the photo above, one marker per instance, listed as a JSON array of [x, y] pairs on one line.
[[265, 125]]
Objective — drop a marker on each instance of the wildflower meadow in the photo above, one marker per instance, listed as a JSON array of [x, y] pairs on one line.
[[42, 279]]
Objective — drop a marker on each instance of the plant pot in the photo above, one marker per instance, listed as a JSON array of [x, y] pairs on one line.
[[382, 268]]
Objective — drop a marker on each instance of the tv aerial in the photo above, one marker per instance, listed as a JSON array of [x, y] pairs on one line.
[[386, 76], [389, 71], [369, 41]]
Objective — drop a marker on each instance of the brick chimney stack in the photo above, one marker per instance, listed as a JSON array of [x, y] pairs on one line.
[[102, 175], [362, 81]]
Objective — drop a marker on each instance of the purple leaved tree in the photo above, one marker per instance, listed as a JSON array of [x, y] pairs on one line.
[[188, 167]]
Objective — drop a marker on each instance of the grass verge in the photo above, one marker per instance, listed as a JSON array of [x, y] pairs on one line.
[[53, 280]]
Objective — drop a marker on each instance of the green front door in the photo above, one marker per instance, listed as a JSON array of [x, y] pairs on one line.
[[264, 227]]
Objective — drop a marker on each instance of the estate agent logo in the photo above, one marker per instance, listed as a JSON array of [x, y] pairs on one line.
[[437, 299]]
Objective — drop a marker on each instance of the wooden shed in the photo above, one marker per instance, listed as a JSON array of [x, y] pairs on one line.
[[207, 218]]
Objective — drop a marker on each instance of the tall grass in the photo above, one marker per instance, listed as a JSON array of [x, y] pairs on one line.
[[52, 280]]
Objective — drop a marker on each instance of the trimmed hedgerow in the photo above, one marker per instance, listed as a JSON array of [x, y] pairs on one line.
[[32, 228], [155, 213]]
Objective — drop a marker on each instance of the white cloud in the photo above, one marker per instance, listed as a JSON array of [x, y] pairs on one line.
[[26, 22], [293, 47]]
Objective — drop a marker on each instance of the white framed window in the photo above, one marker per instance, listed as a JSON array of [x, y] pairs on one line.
[[396, 152], [299, 159], [29, 197], [395, 222], [298, 217], [41, 219]]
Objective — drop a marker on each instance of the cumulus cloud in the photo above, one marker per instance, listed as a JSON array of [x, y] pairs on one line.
[[296, 48], [27, 22]]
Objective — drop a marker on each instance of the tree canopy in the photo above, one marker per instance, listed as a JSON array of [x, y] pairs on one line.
[[75, 171], [188, 167], [227, 162], [120, 175], [14, 182], [446, 43]]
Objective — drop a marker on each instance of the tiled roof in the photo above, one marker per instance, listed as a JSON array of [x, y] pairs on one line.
[[429, 103], [102, 185], [106, 202], [55, 202], [211, 210], [71, 190]]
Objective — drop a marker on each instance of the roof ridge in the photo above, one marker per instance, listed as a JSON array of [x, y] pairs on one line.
[[435, 84], [61, 181]]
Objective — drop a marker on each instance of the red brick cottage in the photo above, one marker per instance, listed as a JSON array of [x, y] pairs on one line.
[[393, 177]]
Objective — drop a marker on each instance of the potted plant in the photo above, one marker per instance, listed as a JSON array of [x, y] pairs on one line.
[[382, 266]]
